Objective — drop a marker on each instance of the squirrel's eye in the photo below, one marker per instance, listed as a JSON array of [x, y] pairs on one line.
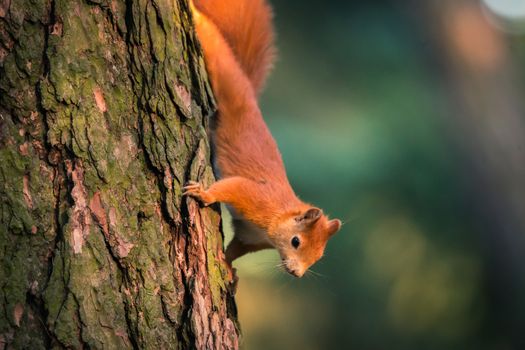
[[296, 242]]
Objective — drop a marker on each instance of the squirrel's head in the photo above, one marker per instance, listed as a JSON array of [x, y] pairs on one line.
[[301, 238]]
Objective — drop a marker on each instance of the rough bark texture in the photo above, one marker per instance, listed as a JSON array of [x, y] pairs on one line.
[[104, 109]]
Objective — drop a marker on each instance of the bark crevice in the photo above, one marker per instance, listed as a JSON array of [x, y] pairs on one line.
[[103, 109]]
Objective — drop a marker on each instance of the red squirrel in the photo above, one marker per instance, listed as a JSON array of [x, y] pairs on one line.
[[236, 37]]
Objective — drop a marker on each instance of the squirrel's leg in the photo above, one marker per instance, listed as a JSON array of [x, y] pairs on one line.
[[237, 248], [234, 190], [234, 250], [249, 198], [196, 190]]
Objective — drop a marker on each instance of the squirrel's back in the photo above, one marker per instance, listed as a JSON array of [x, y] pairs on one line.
[[236, 39], [246, 25]]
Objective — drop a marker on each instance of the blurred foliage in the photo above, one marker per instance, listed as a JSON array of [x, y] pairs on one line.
[[357, 107]]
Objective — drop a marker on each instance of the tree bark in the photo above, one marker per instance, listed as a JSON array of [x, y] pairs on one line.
[[104, 109]]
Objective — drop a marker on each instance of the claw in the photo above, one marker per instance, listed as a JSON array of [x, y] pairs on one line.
[[191, 188], [196, 190]]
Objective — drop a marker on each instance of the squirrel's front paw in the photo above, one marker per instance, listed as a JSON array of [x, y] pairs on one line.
[[197, 191]]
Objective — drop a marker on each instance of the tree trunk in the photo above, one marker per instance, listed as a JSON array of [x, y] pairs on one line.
[[104, 109]]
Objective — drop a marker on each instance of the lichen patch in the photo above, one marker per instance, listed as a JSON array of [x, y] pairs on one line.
[[125, 151]]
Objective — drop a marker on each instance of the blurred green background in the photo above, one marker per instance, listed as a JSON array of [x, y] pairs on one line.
[[404, 119]]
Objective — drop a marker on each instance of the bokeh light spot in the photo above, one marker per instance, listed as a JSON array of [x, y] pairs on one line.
[[511, 9]]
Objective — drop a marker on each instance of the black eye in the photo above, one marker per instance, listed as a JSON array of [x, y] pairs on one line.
[[296, 242]]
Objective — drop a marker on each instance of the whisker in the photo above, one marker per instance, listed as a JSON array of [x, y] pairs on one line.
[[315, 273], [279, 265], [351, 219]]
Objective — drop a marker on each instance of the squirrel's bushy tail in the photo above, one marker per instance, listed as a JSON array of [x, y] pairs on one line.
[[247, 27]]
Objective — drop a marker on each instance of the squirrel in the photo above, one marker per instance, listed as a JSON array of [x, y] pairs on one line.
[[236, 37]]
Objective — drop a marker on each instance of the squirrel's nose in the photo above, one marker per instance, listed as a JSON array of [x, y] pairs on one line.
[[294, 272]]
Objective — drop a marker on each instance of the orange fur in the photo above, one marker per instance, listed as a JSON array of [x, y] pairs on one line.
[[246, 25], [237, 52]]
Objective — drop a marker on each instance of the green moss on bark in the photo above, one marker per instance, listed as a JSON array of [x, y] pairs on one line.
[[103, 118]]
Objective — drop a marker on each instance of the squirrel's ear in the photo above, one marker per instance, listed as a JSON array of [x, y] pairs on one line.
[[309, 217], [333, 226]]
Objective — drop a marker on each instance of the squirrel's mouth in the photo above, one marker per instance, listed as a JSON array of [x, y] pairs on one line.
[[292, 272]]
